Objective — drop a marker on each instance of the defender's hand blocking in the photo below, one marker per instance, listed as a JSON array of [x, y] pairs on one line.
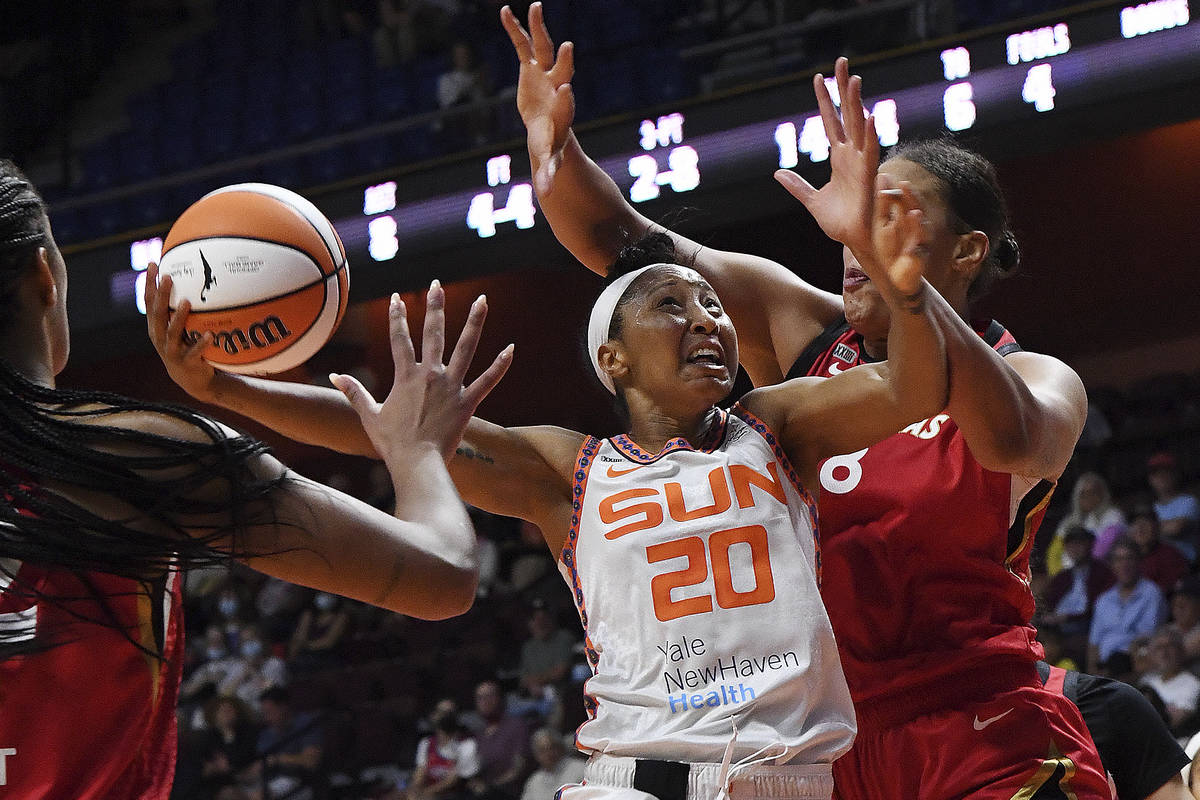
[[544, 97], [900, 238], [184, 360], [842, 207], [428, 403]]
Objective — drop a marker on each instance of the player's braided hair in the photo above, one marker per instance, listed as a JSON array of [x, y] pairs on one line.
[[975, 200], [187, 498]]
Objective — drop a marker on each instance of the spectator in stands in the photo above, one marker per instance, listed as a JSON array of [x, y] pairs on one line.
[[1071, 595], [213, 673], [1185, 616], [466, 83], [228, 744], [315, 643], [1133, 607], [503, 744], [395, 36], [290, 746], [232, 609], [1178, 688], [1161, 562], [1178, 511], [1092, 508], [1051, 638], [556, 766], [256, 669], [446, 759], [278, 604], [547, 654]]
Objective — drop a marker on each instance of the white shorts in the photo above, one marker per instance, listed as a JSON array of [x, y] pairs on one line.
[[611, 778]]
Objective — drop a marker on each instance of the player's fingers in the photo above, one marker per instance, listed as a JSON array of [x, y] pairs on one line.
[[403, 355], [482, 386], [887, 199], [799, 188], [195, 351], [468, 340], [433, 336], [564, 65], [543, 45], [177, 327], [520, 39], [834, 131], [870, 146], [852, 111], [150, 298], [360, 400]]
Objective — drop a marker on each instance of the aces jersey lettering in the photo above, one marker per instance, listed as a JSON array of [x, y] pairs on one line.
[[926, 553], [695, 575]]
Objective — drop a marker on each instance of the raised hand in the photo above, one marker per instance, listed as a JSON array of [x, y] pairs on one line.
[[842, 207], [544, 97], [428, 403], [900, 238], [184, 360]]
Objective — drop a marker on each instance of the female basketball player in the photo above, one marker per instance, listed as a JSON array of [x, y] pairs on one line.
[[926, 535], [108, 499], [688, 542]]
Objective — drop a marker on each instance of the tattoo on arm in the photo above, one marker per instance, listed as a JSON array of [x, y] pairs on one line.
[[469, 452]]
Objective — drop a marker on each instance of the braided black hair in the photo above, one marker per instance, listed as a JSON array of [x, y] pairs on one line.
[[972, 192], [188, 496]]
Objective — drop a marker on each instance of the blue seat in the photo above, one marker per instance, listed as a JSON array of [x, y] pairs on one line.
[[99, 167], [374, 154], [147, 208], [138, 156], [327, 166], [392, 95]]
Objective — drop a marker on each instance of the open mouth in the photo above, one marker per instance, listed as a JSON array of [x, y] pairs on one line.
[[708, 356], [853, 276]]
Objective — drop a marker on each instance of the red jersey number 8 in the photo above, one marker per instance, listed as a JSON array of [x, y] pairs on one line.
[[694, 549]]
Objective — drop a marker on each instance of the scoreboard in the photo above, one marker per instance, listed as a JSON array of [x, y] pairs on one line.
[[479, 214]]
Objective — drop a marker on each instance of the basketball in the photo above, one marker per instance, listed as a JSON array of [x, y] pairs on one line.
[[264, 271]]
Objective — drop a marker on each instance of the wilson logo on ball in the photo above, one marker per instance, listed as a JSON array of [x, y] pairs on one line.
[[269, 331]]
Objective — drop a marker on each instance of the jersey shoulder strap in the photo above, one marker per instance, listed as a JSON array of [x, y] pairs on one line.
[[817, 347]]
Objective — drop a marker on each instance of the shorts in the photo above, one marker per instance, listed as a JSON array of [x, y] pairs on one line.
[[612, 778], [1021, 744]]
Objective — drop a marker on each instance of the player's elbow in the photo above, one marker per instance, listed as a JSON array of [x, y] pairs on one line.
[[448, 592]]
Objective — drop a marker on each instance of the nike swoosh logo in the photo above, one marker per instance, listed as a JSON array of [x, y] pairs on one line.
[[834, 369], [613, 472], [980, 725]]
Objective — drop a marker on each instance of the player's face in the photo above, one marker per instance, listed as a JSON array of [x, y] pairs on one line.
[[677, 340], [866, 311]]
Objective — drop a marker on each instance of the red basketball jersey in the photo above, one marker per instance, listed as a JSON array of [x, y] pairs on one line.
[[92, 718], [925, 552]]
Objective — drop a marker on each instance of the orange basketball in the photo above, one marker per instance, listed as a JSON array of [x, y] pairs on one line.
[[264, 270]]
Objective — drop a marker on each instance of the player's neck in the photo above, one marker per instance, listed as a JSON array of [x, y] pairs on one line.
[[652, 431]]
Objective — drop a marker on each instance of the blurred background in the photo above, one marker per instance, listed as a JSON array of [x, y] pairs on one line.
[[397, 118]]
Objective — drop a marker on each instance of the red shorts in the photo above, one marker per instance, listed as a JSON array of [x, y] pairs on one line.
[[1021, 743]]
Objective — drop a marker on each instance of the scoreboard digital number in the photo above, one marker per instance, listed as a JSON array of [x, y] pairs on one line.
[[1095, 57]]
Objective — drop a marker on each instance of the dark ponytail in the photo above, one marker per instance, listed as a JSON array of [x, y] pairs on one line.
[[973, 196], [189, 497]]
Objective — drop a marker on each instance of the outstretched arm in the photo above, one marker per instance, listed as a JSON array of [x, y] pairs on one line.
[[777, 313], [1020, 413], [821, 417]]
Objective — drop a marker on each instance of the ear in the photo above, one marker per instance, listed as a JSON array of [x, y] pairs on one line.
[[43, 277], [611, 356], [969, 253]]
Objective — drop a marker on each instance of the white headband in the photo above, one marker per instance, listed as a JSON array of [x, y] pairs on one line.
[[600, 321]]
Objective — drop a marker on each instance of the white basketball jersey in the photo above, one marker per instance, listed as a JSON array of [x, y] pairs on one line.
[[695, 572]]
